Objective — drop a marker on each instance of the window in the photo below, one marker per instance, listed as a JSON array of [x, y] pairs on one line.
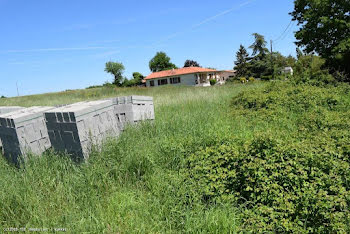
[[175, 80], [163, 82], [151, 83]]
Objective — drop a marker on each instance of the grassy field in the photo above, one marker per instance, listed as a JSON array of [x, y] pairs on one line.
[[260, 157], [135, 184]]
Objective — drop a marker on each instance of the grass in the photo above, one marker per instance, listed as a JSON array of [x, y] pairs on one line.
[[135, 184]]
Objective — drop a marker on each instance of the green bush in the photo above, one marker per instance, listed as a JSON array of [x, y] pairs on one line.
[[251, 79], [243, 80], [285, 186], [212, 81], [292, 177], [266, 78], [282, 97], [309, 69]]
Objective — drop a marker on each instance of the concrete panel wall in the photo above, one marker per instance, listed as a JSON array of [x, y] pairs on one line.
[[24, 131]]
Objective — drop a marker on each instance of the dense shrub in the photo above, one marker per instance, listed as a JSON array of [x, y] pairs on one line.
[[212, 81], [251, 79], [243, 80], [281, 186], [278, 96], [309, 69], [293, 178], [266, 77]]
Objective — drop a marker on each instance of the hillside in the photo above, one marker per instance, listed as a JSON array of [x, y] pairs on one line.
[[221, 159], [131, 185]]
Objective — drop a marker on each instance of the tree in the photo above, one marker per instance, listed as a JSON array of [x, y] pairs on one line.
[[116, 69], [325, 29], [299, 53], [138, 77], [137, 80], [161, 62], [310, 69], [259, 46], [241, 63], [290, 61], [191, 63]]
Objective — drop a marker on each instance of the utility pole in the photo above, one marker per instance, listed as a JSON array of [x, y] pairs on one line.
[[272, 67], [17, 89]]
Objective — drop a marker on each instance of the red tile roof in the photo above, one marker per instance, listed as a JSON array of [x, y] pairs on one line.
[[177, 72]]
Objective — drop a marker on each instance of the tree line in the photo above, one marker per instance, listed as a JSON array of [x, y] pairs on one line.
[[323, 40], [261, 63], [160, 62], [323, 52]]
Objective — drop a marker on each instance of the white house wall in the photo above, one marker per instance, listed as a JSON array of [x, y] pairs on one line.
[[188, 79]]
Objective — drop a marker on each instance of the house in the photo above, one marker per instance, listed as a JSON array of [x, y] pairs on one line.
[[226, 74], [287, 70], [196, 76]]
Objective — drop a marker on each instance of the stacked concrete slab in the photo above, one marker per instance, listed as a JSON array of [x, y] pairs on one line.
[[71, 128], [132, 109], [77, 127], [24, 131], [7, 109]]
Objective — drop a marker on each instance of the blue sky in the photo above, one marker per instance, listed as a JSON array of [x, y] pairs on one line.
[[48, 45]]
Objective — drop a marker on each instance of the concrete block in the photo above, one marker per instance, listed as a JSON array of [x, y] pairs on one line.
[[77, 127], [7, 109], [4, 110], [132, 109], [24, 131]]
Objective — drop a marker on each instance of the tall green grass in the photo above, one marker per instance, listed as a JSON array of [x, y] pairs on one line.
[[135, 184]]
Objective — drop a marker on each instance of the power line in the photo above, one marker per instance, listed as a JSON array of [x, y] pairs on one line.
[[290, 23], [205, 21], [285, 35]]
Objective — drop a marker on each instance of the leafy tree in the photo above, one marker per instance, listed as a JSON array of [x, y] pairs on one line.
[[137, 80], [281, 61], [310, 69], [264, 64], [128, 83], [310, 62], [191, 63], [116, 69], [138, 77], [161, 62], [259, 46], [260, 67], [325, 29], [241, 63]]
